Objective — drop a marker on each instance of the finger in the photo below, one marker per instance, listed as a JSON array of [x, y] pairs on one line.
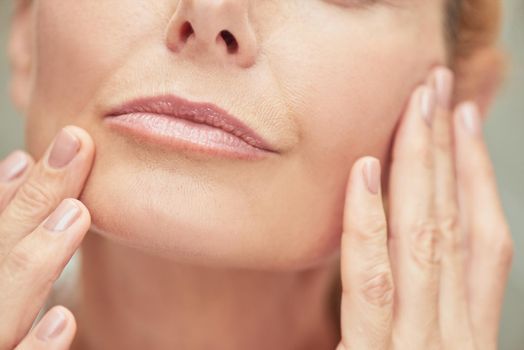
[[367, 282], [453, 315], [489, 240], [55, 331], [33, 265], [13, 173], [61, 173], [413, 231]]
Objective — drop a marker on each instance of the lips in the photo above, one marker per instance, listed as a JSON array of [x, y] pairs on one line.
[[201, 118]]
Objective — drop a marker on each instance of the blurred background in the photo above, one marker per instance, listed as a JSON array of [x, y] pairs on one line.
[[504, 133]]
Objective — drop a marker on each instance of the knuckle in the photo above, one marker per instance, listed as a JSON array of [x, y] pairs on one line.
[[442, 142], [505, 250], [36, 196], [419, 149], [499, 243], [429, 340], [374, 228], [426, 158], [450, 233], [378, 288], [423, 152], [22, 266], [425, 244], [20, 261]]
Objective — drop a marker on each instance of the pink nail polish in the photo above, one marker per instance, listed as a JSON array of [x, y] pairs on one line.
[[470, 117], [65, 147], [13, 166], [52, 325], [371, 173], [427, 104], [63, 216]]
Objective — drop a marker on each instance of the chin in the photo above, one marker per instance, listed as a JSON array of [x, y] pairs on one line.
[[203, 220]]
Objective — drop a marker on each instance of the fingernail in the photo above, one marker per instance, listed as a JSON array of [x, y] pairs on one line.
[[443, 86], [12, 166], [470, 116], [371, 172], [65, 147], [427, 104], [63, 216], [53, 323]]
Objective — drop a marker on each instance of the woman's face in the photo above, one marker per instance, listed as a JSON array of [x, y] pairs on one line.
[[324, 81]]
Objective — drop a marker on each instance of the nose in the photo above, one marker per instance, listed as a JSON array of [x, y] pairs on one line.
[[220, 28]]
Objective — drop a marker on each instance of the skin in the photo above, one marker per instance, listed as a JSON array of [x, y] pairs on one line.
[[261, 246], [302, 108]]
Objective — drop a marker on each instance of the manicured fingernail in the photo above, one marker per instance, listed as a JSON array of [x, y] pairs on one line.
[[53, 323], [12, 166], [371, 172], [427, 104], [65, 147], [443, 86], [63, 216], [470, 116]]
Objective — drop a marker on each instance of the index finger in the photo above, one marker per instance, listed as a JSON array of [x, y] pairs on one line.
[[367, 281], [60, 174]]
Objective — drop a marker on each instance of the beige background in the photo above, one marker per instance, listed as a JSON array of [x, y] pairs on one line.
[[504, 132]]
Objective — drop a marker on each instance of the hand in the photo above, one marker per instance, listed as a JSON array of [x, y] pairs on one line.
[[36, 242], [431, 273]]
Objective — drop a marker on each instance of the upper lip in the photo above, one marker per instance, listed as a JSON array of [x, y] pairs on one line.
[[198, 112]]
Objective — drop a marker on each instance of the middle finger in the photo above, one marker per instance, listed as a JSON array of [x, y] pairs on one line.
[[413, 233], [453, 315]]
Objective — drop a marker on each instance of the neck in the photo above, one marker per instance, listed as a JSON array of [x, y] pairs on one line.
[[131, 300]]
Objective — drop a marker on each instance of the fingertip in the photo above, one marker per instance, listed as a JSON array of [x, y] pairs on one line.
[[371, 173], [84, 218], [71, 216], [365, 175], [15, 165], [71, 320], [80, 205], [358, 167], [83, 136], [414, 131], [56, 329], [442, 79], [427, 99], [24, 154], [30, 160], [66, 313], [471, 153], [53, 324], [467, 118], [363, 197]]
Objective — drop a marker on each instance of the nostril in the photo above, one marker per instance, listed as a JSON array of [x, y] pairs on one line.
[[231, 42], [185, 31]]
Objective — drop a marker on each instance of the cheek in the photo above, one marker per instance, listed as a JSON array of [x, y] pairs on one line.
[[348, 81], [348, 94], [78, 45]]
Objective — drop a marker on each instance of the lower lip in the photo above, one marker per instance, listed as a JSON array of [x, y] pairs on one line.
[[183, 134]]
